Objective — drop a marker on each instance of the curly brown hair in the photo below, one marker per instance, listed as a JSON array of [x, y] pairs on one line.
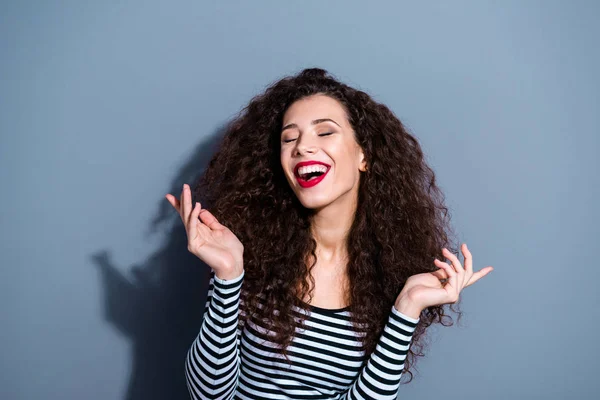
[[400, 225]]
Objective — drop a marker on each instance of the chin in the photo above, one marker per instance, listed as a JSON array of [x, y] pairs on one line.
[[313, 202], [312, 205]]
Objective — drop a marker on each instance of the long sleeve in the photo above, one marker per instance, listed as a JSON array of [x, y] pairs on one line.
[[380, 378], [212, 365]]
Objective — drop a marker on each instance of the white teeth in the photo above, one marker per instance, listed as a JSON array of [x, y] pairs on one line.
[[311, 168]]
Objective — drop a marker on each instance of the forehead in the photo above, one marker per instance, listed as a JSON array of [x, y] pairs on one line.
[[313, 107]]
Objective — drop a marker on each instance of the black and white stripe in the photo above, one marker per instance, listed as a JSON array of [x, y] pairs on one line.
[[225, 362]]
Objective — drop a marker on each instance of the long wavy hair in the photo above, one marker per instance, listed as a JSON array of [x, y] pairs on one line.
[[400, 225]]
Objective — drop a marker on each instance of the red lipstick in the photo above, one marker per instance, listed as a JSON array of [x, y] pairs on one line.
[[313, 181]]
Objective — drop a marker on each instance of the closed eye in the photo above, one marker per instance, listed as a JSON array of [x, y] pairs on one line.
[[321, 134]]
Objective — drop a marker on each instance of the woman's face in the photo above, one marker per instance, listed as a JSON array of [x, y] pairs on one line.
[[316, 131]]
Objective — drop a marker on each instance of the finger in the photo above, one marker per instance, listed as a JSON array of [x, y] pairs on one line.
[[192, 223], [461, 278], [479, 274], [176, 205], [210, 220], [440, 274], [455, 261], [468, 259], [448, 271], [194, 215], [186, 203], [451, 286], [174, 202]]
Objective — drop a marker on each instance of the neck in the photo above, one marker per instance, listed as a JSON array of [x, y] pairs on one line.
[[330, 226]]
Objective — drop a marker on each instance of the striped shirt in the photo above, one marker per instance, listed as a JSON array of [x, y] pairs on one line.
[[226, 362]]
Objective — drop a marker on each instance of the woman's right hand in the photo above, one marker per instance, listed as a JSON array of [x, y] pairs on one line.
[[210, 241]]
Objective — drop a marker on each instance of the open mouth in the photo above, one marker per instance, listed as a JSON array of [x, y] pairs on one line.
[[308, 177], [311, 175]]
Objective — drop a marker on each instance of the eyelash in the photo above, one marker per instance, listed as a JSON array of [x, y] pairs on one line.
[[321, 134]]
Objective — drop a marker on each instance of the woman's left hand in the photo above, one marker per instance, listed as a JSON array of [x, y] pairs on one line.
[[425, 290]]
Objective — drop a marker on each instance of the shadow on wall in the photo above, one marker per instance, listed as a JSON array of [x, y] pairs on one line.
[[160, 306]]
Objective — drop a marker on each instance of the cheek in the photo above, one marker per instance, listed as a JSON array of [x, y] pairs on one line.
[[348, 169], [283, 158], [284, 161]]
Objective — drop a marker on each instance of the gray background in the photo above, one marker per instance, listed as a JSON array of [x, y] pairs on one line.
[[106, 106]]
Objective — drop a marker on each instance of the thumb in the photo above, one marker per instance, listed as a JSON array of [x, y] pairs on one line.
[[440, 274], [210, 220]]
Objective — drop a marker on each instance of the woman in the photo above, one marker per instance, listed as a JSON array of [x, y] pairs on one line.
[[326, 239]]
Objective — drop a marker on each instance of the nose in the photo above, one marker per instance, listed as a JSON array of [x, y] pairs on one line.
[[304, 145]]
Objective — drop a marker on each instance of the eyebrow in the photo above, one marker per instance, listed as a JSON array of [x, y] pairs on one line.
[[313, 122]]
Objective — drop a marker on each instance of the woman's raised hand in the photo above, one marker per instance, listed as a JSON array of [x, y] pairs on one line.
[[424, 290], [210, 241]]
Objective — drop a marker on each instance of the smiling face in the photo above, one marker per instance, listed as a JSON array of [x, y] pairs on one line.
[[319, 154]]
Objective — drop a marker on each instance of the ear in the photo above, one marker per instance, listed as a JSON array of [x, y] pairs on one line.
[[363, 163]]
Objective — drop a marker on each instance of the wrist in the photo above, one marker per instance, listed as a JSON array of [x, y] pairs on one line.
[[408, 307], [230, 274]]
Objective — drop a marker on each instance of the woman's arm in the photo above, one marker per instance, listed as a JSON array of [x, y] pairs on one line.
[[213, 362], [380, 378]]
